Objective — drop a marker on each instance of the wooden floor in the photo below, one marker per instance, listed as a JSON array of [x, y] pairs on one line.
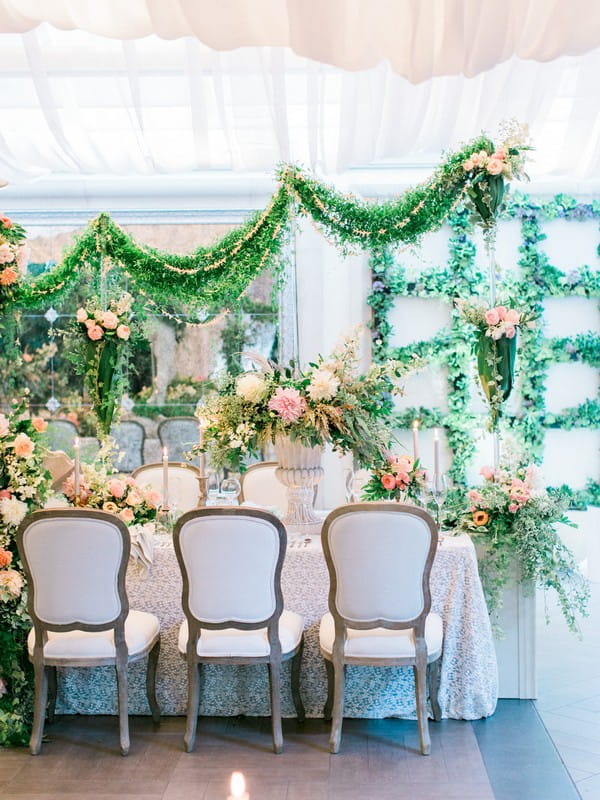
[[379, 759], [569, 691]]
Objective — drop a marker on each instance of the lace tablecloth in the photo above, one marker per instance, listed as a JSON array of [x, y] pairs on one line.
[[469, 677]]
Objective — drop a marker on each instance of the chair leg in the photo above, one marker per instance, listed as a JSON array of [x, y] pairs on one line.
[[275, 686], [52, 690], [39, 707], [123, 698], [420, 673], [193, 704], [296, 696], [330, 682], [151, 682], [434, 688], [339, 681]]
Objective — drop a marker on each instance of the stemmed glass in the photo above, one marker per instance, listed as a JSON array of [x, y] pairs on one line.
[[212, 488], [230, 490], [435, 493]]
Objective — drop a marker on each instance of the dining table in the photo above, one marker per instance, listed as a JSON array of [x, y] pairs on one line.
[[469, 675]]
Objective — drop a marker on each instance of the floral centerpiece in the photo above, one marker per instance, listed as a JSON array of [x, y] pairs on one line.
[[396, 478], [330, 402], [496, 349], [100, 351], [13, 257], [24, 487], [514, 519]]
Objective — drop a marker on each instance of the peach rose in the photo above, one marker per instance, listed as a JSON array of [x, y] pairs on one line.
[[512, 316], [11, 581], [6, 254], [123, 332], [27, 358], [491, 316], [8, 276], [127, 515], [5, 557], [110, 507], [5, 494], [116, 487], [39, 424], [402, 480], [6, 222], [494, 166], [468, 165], [500, 154], [23, 446], [133, 498], [405, 463], [89, 323], [95, 332], [110, 320], [501, 312], [4, 425], [152, 498], [81, 315], [388, 481]]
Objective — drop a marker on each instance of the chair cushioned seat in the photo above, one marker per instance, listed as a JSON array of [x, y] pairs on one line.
[[384, 643], [234, 643], [140, 629]]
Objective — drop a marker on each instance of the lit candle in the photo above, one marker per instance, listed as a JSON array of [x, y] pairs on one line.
[[436, 457], [415, 431], [77, 470], [238, 787], [201, 457], [165, 461]]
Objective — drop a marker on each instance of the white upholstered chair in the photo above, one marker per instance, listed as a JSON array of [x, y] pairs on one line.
[[260, 486], [75, 562], [231, 560], [379, 557], [183, 484]]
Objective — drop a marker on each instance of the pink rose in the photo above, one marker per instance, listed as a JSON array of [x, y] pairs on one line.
[[475, 496], [8, 276], [288, 403], [501, 312], [23, 445], [512, 316], [487, 472], [95, 332], [116, 487], [402, 480], [123, 332], [133, 498], [513, 507], [4, 425], [110, 320], [388, 481], [127, 515], [6, 222], [6, 254], [129, 481], [39, 424], [152, 498], [500, 154], [405, 463], [89, 323], [5, 494], [494, 166], [81, 315], [510, 331], [491, 317]]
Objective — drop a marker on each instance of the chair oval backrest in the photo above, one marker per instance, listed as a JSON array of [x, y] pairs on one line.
[[61, 434], [260, 486], [379, 557], [231, 562], [179, 435], [129, 437], [183, 487], [75, 562]]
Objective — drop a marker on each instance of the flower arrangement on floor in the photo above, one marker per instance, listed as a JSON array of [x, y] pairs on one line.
[[100, 351], [496, 349], [396, 478], [328, 403], [515, 520], [24, 487]]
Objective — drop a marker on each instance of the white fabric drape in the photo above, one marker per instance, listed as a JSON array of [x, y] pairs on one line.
[[419, 38], [76, 103]]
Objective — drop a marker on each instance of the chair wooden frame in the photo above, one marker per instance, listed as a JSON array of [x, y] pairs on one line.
[[337, 660], [275, 657], [177, 464], [45, 668]]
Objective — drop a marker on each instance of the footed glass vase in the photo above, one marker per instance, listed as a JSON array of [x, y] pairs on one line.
[[300, 471]]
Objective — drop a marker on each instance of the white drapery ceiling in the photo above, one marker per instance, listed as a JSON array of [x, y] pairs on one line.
[[419, 38], [76, 103]]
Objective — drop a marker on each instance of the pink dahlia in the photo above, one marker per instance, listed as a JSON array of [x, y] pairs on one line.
[[288, 403]]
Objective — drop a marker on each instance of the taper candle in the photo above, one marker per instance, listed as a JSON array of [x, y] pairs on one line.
[[76, 470], [238, 787], [436, 457], [165, 461], [415, 433]]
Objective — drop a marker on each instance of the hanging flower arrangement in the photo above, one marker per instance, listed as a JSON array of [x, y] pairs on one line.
[[496, 349], [13, 258], [101, 349]]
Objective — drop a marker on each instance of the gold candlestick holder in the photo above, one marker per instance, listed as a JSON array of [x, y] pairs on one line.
[[202, 490]]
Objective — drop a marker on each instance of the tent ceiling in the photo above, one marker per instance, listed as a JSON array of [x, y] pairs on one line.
[[419, 38]]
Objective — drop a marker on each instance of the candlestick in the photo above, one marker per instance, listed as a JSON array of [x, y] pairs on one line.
[[201, 456], [436, 457], [77, 470], [238, 787], [415, 432], [165, 462]]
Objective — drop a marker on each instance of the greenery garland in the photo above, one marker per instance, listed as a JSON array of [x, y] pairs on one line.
[[460, 278]]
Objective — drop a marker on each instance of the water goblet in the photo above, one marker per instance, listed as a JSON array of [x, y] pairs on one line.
[[230, 490]]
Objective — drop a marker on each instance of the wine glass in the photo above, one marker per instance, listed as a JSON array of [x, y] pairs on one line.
[[230, 490], [212, 488], [436, 493]]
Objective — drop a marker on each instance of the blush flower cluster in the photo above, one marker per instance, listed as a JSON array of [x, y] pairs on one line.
[[113, 322]]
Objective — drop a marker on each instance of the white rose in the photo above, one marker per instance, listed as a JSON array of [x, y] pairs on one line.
[[251, 387], [323, 385], [13, 511]]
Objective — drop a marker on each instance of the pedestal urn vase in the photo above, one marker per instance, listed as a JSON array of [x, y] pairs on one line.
[[300, 471]]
